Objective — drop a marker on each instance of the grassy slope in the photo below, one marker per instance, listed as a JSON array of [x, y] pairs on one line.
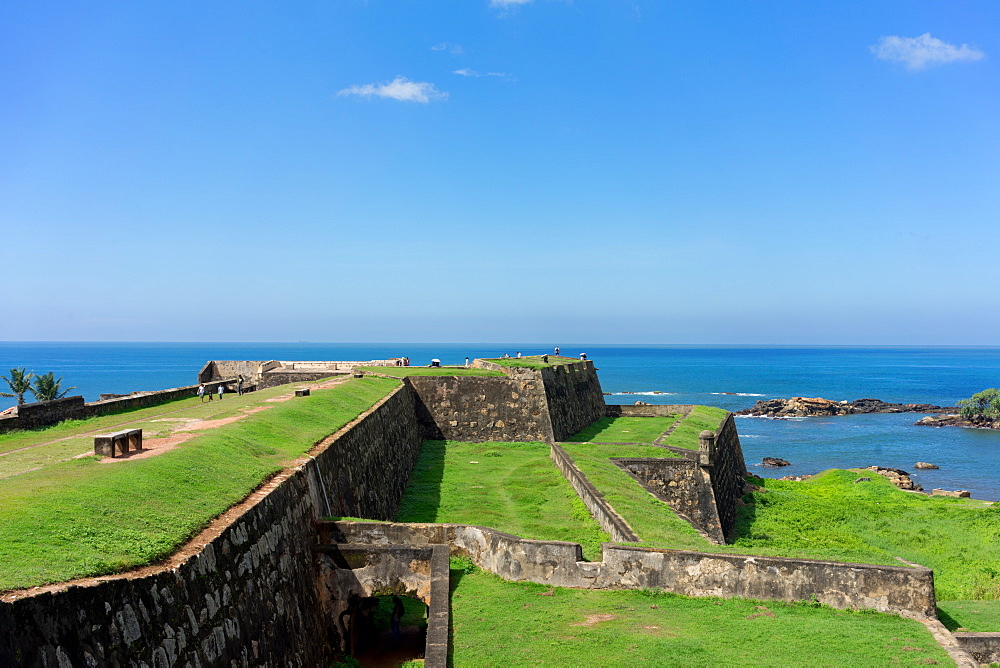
[[403, 371], [829, 517], [498, 623], [626, 430], [655, 522], [701, 418], [81, 518], [514, 488]]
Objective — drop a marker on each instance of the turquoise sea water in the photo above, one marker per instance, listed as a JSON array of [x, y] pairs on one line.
[[729, 377]]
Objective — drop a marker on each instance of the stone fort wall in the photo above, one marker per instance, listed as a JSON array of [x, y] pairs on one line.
[[545, 405], [245, 593]]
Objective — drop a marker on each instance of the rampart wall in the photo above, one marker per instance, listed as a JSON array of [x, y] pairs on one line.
[[247, 594], [646, 410], [573, 393], [482, 408], [728, 474], [528, 405]]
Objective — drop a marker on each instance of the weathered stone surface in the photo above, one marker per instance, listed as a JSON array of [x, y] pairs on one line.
[[925, 465], [682, 484], [840, 585], [646, 410], [898, 477], [528, 405], [984, 647]]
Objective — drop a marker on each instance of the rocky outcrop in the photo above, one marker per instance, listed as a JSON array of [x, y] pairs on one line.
[[956, 420], [774, 462], [897, 477], [806, 407], [926, 465]]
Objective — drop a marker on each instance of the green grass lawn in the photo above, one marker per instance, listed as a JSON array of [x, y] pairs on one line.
[[626, 430], [73, 437], [403, 371], [83, 518], [977, 616], [498, 623], [532, 361], [699, 419], [829, 517], [653, 520], [512, 487]]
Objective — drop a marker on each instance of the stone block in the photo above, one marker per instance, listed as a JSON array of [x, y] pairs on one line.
[[303, 392]]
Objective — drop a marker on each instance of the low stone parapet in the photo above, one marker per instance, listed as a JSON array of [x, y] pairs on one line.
[[984, 647], [893, 589]]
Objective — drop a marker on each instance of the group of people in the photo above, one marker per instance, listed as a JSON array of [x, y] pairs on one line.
[[545, 358], [221, 389]]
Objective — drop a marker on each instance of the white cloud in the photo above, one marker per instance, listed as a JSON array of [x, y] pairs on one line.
[[916, 53], [453, 49], [466, 72], [400, 88]]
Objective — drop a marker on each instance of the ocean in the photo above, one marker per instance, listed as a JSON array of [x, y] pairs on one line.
[[730, 377]]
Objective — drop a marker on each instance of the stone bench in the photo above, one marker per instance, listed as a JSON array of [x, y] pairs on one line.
[[302, 393], [106, 445]]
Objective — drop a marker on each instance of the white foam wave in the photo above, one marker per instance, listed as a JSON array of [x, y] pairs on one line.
[[740, 394], [648, 394]]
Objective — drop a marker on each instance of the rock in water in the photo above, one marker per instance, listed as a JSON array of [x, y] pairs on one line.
[[898, 477], [774, 462], [925, 465]]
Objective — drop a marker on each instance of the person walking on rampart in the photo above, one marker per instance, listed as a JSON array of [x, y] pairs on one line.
[[557, 351], [222, 389], [201, 392]]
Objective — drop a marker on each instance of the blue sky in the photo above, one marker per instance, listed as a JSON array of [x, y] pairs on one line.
[[642, 172]]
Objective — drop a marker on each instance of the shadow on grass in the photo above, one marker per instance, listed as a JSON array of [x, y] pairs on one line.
[[746, 514], [422, 497], [949, 622]]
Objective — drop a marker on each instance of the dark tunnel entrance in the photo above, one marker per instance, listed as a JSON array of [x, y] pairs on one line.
[[378, 642]]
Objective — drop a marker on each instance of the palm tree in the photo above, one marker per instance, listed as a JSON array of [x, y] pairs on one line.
[[19, 383], [47, 388]]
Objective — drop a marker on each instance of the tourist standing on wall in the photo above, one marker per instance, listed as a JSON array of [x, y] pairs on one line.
[[583, 357], [557, 351], [518, 354], [201, 392], [466, 362]]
